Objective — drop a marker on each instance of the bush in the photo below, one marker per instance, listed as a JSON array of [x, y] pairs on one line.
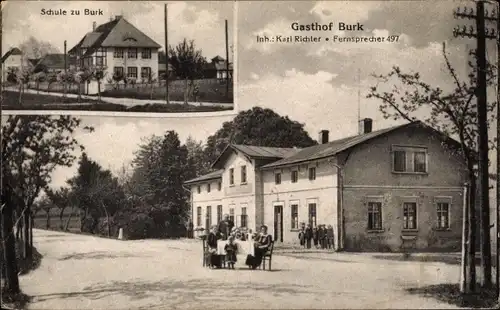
[[140, 226]]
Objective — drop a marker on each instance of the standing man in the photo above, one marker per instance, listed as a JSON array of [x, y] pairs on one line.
[[225, 227]]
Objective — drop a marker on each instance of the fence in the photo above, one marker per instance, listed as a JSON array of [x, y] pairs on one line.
[[56, 87]]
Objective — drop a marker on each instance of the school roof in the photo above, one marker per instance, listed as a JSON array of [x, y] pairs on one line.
[[12, 51], [116, 33], [209, 176]]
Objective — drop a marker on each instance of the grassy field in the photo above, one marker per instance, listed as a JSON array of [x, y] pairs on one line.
[[10, 101]]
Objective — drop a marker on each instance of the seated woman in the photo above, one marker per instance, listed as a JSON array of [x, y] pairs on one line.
[[215, 259], [262, 244]]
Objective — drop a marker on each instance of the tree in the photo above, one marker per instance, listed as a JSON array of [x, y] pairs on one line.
[[160, 169], [453, 113], [197, 160], [258, 126], [98, 73], [32, 147], [97, 192], [150, 80], [45, 204], [39, 77], [81, 77], [187, 63], [20, 77], [60, 198], [65, 78], [36, 49]]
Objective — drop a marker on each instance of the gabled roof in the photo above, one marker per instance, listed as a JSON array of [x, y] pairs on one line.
[[116, 33], [209, 176], [335, 147], [54, 61], [254, 152], [12, 51]]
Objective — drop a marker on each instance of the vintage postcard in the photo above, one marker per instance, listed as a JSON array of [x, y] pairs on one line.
[[112, 56], [357, 167]]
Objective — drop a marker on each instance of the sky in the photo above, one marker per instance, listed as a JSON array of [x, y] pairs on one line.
[[318, 84], [202, 22]]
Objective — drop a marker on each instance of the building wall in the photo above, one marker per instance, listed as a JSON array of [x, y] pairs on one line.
[[203, 200], [322, 191], [368, 177], [15, 61], [132, 62]]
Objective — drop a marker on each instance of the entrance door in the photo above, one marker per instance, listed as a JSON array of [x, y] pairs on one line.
[[278, 223]]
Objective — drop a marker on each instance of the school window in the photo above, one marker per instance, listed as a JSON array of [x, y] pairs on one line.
[[146, 53], [243, 174], [132, 53], [231, 176], [198, 189], [277, 178], [231, 215], [219, 213], [198, 216], [443, 215], [312, 214], [219, 186], [99, 61], [409, 159], [243, 217], [295, 216], [312, 173], [409, 215], [132, 72], [208, 217], [374, 215], [118, 71], [145, 72], [295, 176], [118, 53], [208, 187]]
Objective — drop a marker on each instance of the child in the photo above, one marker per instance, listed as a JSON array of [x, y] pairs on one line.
[[302, 234], [329, 236], [308, 235], [231, 248], [249, 235], [321, 236]]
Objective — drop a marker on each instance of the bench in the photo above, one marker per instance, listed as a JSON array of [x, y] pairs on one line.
[[268, 256]]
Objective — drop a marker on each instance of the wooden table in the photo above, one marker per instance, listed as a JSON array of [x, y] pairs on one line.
[[244, 247]]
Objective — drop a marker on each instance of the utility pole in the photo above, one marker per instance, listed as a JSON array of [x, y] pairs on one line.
[[167, 73], [65, 69], [227, 61], [498, 158], [483, 178]]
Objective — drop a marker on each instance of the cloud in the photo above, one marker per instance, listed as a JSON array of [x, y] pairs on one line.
[[192, 20]]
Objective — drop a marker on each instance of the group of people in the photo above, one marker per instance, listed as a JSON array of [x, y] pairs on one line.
[[321, 236], [226, 231]]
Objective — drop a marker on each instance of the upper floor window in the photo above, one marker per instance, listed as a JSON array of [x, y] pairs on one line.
[[231, 176], [198, 189], [118, 53], [277, 178], [219, 186], [198, 216], [409, 159], [243, 174], [146, 53], [209, 187], [295, 176], [132, 53], [99, 60], [312, 173]]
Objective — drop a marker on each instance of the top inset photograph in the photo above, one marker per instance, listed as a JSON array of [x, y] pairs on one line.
[[111, 56]]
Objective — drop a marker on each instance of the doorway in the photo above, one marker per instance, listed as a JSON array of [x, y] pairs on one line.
[[278, 223]]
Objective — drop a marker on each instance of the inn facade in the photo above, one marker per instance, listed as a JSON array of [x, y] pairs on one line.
[[393, 189]]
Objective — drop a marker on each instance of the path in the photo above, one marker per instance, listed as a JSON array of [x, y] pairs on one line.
[[84, 272]]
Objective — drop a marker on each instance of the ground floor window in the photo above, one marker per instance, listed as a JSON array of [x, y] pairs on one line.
[[244, 219], [231, 215], [312, 214], [208, 217], [443, 215], [132, 72], [295, 216], [374, 215], [219, 213], [410, 215]]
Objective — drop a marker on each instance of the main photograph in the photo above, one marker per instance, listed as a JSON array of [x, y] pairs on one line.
[[111, 56]]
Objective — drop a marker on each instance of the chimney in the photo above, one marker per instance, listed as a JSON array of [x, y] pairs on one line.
[[365, 126], [94, 24], [323, 136]]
